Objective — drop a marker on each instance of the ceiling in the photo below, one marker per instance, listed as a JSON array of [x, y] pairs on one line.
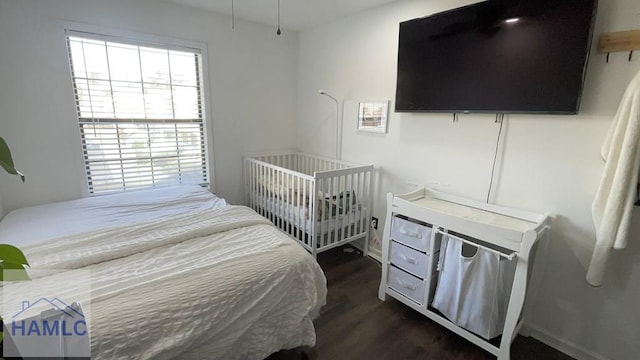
[[297, 15]]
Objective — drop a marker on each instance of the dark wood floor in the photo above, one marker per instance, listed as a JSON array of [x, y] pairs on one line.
[[355, 324]]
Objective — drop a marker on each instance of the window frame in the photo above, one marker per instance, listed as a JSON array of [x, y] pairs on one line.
[[136, 38]]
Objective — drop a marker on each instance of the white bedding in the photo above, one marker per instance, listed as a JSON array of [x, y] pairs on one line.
[[298, 215], [211, 284], [38, 223]]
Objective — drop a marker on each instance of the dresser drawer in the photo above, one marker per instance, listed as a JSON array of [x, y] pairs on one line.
[[410, 233], [407, 284], [409, 259]]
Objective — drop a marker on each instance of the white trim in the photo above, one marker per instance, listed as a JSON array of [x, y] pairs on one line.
[[563, 345], [130, 34], [133, 40], [375, 254]]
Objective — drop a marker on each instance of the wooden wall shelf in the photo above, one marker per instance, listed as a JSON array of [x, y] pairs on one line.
[[619, 41]]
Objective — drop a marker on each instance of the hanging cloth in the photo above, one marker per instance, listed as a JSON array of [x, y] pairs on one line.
[[473, 292], [614, 201]]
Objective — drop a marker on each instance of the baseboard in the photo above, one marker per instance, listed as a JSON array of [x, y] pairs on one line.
[[565, 346], [375, 254]]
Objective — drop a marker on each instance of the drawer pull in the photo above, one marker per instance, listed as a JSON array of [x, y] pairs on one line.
[[409, 260], [410, 233], [407, 286]]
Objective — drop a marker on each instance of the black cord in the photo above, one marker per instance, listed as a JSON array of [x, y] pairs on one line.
[[278, 32], [495, 156]]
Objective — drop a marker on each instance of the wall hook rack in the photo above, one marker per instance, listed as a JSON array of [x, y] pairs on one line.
[[620, 41]]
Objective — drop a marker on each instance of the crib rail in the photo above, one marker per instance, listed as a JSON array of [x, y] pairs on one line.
[[282, 196], [339, 191], [321, 202], [301, 162]]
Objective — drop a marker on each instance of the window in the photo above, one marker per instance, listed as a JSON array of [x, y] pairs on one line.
[[140, 112]]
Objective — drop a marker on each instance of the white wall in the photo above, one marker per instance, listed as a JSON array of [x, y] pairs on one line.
[[548, 163], [252, 81]]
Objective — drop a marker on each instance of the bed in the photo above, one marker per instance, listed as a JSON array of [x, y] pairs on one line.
[[321, 203], [174, 273]]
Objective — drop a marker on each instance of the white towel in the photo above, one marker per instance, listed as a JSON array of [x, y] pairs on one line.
[[613, 204]]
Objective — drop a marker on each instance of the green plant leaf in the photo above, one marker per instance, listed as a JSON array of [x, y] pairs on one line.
[[18, 273], [13, 255], [6, 161]]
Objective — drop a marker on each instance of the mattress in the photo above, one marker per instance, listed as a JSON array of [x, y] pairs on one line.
[[299, 216], [35, 224], [208, 284]]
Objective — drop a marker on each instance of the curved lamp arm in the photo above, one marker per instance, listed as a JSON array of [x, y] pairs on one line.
[[338, 124]]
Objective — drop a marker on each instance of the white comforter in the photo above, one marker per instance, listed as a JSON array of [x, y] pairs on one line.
[[40, 223], [219, 284]]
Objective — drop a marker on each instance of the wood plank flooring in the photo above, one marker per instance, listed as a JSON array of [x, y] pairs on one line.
[[355, 324]]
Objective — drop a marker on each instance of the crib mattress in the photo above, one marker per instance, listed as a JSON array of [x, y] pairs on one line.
[[300, 215]]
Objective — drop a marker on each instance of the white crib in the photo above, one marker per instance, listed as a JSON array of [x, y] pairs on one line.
[[320, 202]]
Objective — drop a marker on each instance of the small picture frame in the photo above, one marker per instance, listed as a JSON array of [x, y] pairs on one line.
[[372, 116]]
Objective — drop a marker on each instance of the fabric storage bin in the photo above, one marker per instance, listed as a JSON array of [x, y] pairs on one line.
[[409, 259], [411, 234], [407, 284], [473, 292]]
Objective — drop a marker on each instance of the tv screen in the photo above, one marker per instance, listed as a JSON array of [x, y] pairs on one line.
[[496, 56]]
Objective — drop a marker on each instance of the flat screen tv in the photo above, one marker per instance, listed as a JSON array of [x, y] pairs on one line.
[[497, 56]]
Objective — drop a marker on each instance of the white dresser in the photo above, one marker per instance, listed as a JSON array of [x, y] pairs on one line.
[[411, 246]]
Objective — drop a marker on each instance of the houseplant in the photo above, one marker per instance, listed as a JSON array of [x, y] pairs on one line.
[[11, 258]]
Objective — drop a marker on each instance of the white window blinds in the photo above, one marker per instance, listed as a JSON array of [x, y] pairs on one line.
[[140, 112]]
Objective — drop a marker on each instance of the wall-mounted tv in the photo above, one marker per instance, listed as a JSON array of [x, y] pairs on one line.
[[497, 56]]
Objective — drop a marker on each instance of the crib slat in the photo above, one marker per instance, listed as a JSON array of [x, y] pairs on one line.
[[261, 188], [283, 201], [322, 208], [278, 197], [267, 192], [346, 219], [361, 185], [363, 219], [252, 181], [291, 207], [272, 196], [276, 206], [339, 211], [256, 194], [358, 190], [333, 218], [309, 212], [249, 182], [354, 208]]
